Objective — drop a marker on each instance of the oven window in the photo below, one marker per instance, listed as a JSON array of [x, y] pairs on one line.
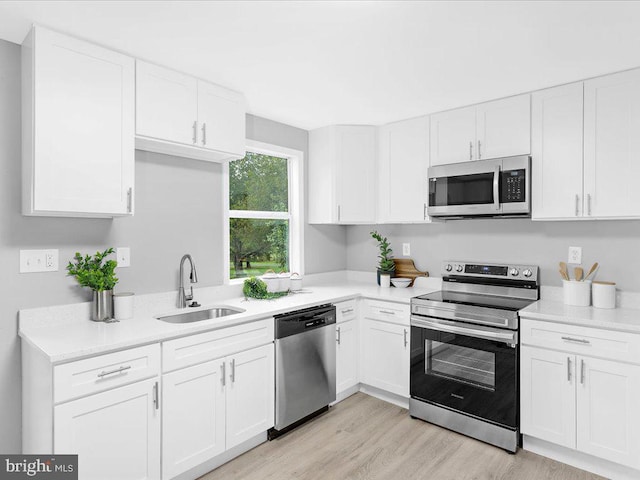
[[462, 364], [461, 190]]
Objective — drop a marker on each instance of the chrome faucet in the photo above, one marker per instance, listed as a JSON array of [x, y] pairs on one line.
[[193, 277]]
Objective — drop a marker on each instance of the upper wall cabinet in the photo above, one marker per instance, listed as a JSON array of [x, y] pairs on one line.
[[501, 128], [403, 156], [77, 127], [180, 115], [342, 178]]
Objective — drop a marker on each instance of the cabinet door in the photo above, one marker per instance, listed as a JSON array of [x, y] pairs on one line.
[[250, 394], [346, 355], [193, 428], [453, 136], [116, 434], [612, 145], [504, 127], [608, 415], [166, 104], [355, 175], [402, 174], [556, 147], [221, 119], [385, 356], [547, 395], [81, 133]]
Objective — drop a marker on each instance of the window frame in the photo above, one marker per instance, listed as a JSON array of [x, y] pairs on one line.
[[295, 214]]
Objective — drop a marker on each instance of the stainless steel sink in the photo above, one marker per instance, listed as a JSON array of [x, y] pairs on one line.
[[199, 315]]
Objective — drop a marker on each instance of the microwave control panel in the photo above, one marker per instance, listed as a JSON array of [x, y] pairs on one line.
[[513, 186]]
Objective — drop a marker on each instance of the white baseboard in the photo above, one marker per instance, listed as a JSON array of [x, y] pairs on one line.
[[346, 393], [385, 396], [580, 460]]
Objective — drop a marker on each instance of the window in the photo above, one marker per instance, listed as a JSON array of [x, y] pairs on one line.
[[264, 222]]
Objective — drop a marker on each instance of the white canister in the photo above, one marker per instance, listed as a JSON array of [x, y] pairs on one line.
[[123, 305], [271, 279], [577, 293], [604, 294], [284, 281], [296, 282], [385, 280]]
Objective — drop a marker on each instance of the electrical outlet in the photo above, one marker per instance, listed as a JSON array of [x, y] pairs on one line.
[[406, 249], [32, 261], [123, 256], [575, 255]]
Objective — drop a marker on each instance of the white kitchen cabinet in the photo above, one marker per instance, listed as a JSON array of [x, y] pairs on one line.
[[342, 176], [116, 434], [78, 114], [612, 145], [557, 150], [346, 355], [403, 156], [179, 115], [501, 128]]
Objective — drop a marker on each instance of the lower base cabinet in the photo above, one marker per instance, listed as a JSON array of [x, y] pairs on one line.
[[346, 355], [214, 406], [116, 434]]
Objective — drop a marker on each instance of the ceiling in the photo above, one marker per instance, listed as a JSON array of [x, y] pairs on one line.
[[311, 64]]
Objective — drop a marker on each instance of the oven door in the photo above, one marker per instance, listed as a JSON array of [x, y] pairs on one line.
[[468, 368]]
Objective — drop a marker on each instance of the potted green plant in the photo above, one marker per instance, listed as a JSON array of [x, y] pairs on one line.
[[98, 274], [386, 265]]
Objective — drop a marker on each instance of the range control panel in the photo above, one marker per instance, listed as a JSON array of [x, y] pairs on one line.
[[490, 270]]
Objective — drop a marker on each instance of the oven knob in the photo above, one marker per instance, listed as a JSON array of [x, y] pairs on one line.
[[514, 272], [527, 273], [458, 268], [448, 268]]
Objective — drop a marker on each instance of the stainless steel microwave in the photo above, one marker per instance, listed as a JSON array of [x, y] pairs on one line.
[[483, 188]]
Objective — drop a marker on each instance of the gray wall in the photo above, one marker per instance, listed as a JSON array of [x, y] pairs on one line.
[[611, 243], [178, 210]]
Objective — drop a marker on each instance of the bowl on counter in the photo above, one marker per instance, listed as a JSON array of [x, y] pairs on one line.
[[400, 282]]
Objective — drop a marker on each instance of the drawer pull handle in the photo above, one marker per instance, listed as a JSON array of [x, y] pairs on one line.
[[348, 310], [388, 312], [117, 370], [156, 396], [582, 371], [578, 340], [569, 369]]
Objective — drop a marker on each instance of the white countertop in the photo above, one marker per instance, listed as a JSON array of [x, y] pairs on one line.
[[620, 319], [65, 333]]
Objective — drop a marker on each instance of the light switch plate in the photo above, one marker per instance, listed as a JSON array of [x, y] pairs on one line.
[[123, 256], [575, 255], [406, 249], [32, 261]]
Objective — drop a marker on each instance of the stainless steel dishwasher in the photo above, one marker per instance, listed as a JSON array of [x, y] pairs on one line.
[[305, 366]]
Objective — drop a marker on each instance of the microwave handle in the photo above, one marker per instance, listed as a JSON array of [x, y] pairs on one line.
[[496, 188]]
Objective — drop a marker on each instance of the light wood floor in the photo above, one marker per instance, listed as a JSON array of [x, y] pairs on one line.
[[365, 438]]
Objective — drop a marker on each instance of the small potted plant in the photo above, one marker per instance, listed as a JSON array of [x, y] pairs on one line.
[[386, 265], [99, 275]]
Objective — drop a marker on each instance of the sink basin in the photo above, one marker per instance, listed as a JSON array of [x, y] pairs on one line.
[[199, 315]]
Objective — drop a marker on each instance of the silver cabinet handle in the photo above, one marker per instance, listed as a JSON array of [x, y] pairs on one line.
[[338, 338], [479, 151], [424, 211], [577, 340], [569, 369], [388, 312], [195, 132], [111, 372], [348, 310], [156, 396], [582, 371], [204, 134], [470, 150], [577, 202], [405, 338], [129, 199], [233, 370], [588, 204], [224, 374], [338, 212], [496, 188]]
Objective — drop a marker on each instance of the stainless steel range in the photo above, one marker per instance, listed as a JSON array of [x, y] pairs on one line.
[[465, 350]]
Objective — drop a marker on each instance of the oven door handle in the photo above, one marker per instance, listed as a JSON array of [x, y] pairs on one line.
[[504, 337], [496, 188]]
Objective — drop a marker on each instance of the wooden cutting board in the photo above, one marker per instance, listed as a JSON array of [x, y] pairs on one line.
[[405, 268]]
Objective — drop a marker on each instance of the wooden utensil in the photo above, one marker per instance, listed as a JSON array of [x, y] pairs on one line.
[[563, 274], [578, 272], [564, 271], [592, 270]]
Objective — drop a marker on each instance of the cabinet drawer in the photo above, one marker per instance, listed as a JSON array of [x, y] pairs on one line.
[[388, 311], [581, 340], [346, 311], [96, 374], [194, 349]]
